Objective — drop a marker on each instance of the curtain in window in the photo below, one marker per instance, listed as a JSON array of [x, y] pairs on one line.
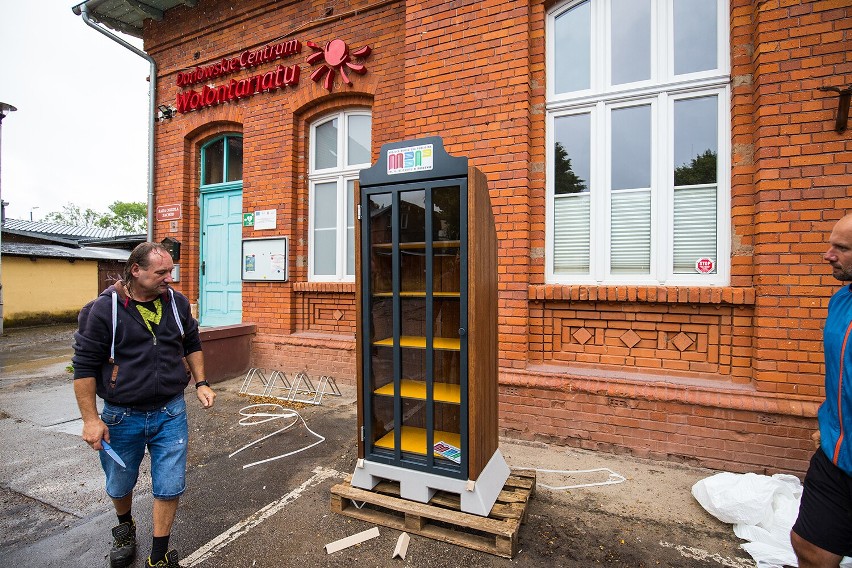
[[571, 234], [630, 233]]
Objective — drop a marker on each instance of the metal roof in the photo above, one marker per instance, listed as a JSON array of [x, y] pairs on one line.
[[128, 16], [59, 251], [67, 232]]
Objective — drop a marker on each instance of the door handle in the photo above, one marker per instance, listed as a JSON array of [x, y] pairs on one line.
[[202, 268]]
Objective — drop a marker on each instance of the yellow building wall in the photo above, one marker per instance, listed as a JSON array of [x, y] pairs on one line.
[[34, 291]]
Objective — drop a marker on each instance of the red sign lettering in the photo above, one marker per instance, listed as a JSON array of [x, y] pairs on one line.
[[245, 60]]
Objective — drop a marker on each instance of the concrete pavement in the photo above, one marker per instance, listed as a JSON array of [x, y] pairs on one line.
[[278, 513]]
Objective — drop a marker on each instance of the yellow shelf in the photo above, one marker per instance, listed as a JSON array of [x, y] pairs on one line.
[[443, 392], [414, 440], [440, 343], [418, 294], [419, 245]]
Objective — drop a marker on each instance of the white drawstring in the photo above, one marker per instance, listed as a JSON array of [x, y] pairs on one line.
[[250, 419], [614, 477]]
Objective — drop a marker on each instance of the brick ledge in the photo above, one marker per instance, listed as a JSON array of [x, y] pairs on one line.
[[308, 339], [325, 287], [731, 397], [651, 294]]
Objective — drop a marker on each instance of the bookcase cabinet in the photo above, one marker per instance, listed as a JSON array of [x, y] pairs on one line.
[[426, 272]]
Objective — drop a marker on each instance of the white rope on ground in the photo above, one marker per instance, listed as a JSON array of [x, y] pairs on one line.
[[254, 418], [614, 478]]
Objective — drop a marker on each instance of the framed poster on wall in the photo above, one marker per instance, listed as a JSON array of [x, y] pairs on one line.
[[264, 259]]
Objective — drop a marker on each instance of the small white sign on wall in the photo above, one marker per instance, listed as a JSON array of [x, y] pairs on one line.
[[265, 219]]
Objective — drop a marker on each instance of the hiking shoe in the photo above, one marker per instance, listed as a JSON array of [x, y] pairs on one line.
[[170, 561], [123, 545]]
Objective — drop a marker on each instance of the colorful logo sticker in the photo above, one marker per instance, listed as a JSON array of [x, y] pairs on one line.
[[412, 159], [705, 265]]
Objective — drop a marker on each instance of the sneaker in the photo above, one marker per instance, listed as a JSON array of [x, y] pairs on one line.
[[170, 561], [123, 545]]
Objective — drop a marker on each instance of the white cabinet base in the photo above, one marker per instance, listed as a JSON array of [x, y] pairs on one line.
[[420, 486]]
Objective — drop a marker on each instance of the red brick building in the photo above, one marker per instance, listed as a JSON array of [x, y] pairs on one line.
[[663, 174]]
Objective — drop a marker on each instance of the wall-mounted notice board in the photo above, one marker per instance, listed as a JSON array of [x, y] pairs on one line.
[[265, 259]]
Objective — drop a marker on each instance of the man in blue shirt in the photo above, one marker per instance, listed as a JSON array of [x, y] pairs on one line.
[[822, 535]]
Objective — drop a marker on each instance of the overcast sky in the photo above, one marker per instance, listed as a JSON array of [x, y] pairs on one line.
[[80, 132]]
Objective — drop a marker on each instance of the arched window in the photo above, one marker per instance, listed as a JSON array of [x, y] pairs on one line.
[[340, 148], [222, 161]]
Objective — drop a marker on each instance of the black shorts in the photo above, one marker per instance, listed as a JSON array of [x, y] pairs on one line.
[[825, 513]]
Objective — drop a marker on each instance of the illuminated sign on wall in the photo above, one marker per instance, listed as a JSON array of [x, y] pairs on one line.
[[334, 58]]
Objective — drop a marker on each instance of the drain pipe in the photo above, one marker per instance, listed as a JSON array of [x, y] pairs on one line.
[[82, 10]]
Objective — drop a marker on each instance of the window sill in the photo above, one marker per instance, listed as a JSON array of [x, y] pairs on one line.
[[325, 287], [649, 294]]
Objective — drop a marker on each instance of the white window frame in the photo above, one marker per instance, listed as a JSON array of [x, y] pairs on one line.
[[340, 174], [660, 91]]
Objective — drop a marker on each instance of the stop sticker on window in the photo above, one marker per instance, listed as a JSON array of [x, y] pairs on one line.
[[705, 265]]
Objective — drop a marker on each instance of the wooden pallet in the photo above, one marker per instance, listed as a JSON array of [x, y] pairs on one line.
[[442, 518]]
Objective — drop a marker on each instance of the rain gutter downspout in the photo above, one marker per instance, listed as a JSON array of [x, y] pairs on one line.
[[152, 108]]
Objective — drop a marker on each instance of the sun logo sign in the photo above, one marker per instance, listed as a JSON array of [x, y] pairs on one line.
[[335, 57]]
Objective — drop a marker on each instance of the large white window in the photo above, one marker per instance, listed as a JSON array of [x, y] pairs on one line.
[[638, 142], [340, 148]]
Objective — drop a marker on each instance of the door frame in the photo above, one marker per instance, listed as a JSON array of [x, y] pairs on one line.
[[205, 192]]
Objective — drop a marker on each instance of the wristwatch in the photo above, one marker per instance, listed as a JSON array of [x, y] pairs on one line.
[[202, 384]]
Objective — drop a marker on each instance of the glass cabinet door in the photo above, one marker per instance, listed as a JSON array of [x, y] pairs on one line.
[[415, 313]]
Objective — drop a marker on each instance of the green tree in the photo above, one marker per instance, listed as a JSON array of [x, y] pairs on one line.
[[71, 214], [565, 180], [122, 216], [702, 169], [129, 216]]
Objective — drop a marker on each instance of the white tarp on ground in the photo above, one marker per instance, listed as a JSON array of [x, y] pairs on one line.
[[762, 510]]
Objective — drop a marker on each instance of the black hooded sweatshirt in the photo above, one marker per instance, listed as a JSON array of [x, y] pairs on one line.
[[148, 368]]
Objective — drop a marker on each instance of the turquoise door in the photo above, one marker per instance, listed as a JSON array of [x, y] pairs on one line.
[[221, 240]]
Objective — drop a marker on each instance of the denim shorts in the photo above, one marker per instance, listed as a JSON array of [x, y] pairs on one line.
[[164, 431]]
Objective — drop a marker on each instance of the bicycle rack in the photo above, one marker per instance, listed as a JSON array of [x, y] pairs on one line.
[[268, 384], [300, 390]]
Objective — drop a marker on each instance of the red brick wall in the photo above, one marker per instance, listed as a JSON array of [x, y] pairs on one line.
[[701, 427], [726, 377], [468, 80], [791, 173], [687, 340]]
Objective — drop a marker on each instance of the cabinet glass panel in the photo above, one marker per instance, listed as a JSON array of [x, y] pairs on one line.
[[416, 375], [413, 340], [381, 318], [446, 318], [381, 239], [412, 234], [446, 273], [381, 384]]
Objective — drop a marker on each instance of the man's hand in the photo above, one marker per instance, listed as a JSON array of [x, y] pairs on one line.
[[816, 438], [206, 396], [94, 431]]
